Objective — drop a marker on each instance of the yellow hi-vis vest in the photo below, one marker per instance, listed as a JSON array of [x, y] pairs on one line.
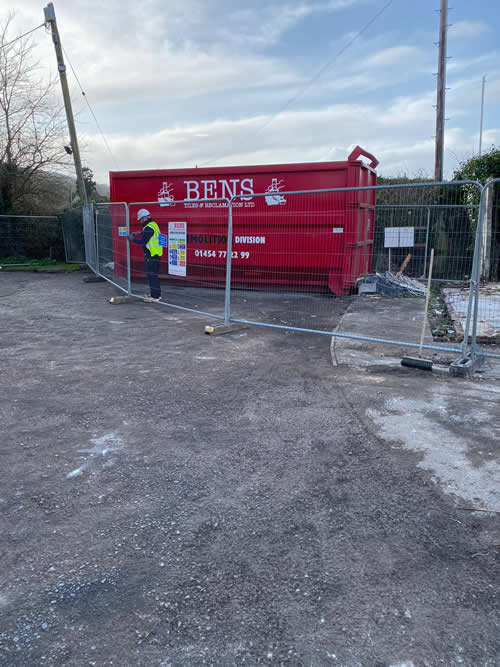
[[153, 245]]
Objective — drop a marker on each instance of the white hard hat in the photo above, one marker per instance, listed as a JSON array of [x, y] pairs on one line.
[[142, 213]]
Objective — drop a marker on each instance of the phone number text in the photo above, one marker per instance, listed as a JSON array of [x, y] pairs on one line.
[[221, 254]]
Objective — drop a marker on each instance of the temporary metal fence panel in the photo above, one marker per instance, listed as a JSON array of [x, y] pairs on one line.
[[299, 258], [486, 313], [72, 223], [111, 223], [27, 240], [427, 216], [193, 265], [425, 221], [89, 235], [296, 260]]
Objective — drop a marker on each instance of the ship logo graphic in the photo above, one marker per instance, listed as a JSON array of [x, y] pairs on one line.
[[273, 196], [165, 197]]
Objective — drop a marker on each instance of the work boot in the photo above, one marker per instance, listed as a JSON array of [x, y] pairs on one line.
[[152, 299]]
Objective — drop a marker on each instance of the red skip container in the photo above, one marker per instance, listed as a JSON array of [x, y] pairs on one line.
[[293, 242]]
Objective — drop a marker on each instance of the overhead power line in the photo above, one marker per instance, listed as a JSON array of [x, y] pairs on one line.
[[4, 46], [317, 75], [90, 109], [326, 66]]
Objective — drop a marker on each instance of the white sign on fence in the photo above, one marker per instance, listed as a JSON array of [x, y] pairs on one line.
[[399, 237], [391, 239]]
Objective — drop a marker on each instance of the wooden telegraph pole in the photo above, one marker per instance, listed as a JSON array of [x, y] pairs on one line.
[[50, 17], [441, 92]]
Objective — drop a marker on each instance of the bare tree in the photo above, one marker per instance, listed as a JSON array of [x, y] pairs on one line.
[[32, 124]]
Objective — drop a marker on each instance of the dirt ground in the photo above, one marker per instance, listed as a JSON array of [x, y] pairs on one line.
[[169, 498]]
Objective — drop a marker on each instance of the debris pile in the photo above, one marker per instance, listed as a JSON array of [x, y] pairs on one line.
[[391, 284]]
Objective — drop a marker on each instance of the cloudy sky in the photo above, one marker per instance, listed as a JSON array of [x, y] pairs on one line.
[[177, 83]]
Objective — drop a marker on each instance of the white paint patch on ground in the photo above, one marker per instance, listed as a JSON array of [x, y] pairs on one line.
[[102, 446], [370, 379], [416, 424], [110, 442], [76, 473], [206, 358]]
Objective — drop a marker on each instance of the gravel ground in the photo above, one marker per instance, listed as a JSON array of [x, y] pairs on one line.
[[170, 498]]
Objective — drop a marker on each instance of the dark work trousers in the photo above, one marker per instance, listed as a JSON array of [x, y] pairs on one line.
[[151, 268]]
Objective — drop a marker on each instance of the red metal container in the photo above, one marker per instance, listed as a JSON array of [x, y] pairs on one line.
[[304, 242]]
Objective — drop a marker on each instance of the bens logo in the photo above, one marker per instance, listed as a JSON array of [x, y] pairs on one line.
[[221, 188]]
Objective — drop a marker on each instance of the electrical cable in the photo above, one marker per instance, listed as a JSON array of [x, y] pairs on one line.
[[90, 108], [4, 46], [316, 76]]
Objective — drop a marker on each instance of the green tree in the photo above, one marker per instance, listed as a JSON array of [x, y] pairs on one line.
[[31, 123], [90, 184], [483, 168], [480, 168], [93, 194]]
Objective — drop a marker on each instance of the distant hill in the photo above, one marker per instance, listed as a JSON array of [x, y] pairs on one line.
[[103, 189]]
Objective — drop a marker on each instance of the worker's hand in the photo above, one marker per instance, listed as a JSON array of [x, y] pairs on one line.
[[130, 237]]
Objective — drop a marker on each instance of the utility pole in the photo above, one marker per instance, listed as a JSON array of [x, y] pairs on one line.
[[482, 116], [441, 92], [50, 17]]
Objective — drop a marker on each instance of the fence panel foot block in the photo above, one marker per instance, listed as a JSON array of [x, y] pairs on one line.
[[218, 329]]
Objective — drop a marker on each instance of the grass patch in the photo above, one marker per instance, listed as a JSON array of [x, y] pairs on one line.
[[16, 263], [22, 259]]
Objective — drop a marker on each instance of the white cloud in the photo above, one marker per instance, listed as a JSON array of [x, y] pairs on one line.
[[466, 93], [484, 60], [409, 111], [182, 83], [182, 74], [468, 29], [400, 136], [393, 56], [261, 26]]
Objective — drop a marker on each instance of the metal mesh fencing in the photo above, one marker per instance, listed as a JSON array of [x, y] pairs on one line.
[[432, 227], [486, 315], [422, 217], [26, 240], [193, 266], [89, 235], [74, 242], [111, 225], [298, 259]]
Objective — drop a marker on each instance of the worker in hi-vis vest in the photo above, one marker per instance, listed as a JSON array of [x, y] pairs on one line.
[[153, 251]]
